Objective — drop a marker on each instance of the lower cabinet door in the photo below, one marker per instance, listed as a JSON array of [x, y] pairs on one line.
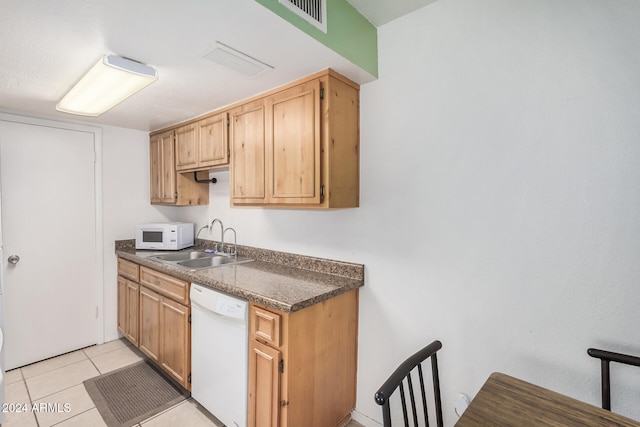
[[122, 306], [132, 312], [264, 385], [149, 338], [128, 309], [175, 340]]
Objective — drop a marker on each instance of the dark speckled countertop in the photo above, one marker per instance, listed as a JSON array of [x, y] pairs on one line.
[[283, 281]]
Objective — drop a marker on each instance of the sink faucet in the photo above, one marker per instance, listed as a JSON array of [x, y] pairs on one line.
[[232, 251], [221, 231], [202, 228]]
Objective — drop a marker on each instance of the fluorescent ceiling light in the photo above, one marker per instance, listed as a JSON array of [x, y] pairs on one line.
[[112, 80]]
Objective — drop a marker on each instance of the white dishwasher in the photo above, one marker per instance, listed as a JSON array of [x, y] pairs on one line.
[[219, 354]]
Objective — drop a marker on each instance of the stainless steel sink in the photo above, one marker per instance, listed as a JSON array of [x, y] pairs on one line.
[[198, 260], [183, 256], [214, 261]]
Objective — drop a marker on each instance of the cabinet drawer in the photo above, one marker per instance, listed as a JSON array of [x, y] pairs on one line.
[[265, 326], [171, 287], [128, 269]]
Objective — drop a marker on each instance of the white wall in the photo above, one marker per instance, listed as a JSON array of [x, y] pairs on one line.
[[500, 209], [125, 157]]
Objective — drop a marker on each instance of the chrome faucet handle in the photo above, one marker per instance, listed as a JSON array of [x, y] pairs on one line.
[[232, 250]]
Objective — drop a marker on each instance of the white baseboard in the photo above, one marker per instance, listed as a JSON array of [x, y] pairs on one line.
[[365, 420]]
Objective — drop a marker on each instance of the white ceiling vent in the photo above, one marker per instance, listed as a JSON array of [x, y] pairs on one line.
[[237, 61], [313, 11]]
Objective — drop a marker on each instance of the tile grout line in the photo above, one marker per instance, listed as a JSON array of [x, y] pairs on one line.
[[70, 418], [93, 363], [30, 399], [56, 369]]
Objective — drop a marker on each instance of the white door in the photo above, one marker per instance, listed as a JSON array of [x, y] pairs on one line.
[[48, 220]]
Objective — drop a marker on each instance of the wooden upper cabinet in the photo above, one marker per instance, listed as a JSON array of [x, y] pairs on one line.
[[214, 141], [203, 144], [163, 173], [155, 175], [293, 144], [186, 147], [309, 133], [247, 144], [167, 185]]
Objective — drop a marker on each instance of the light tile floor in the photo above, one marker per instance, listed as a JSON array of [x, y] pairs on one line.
[[56, 382]]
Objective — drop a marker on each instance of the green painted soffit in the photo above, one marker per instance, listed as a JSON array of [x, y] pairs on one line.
[[348, 33]]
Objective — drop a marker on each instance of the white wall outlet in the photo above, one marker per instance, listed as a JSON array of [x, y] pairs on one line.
[[461, 403]]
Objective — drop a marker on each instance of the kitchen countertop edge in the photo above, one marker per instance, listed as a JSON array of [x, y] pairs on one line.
[[319, 285]]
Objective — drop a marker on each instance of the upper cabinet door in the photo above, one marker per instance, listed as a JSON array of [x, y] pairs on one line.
[[186, 147], [168, 192], [156, 174], [247, 144], [293, 144], [162, 168], [212, 138]]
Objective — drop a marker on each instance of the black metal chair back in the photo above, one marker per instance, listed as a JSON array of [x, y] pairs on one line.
[[606, 357], [402, 375]]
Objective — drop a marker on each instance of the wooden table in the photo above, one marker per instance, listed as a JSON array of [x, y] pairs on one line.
[[508, 401]]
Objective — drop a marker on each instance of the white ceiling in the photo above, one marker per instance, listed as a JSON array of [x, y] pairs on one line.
[[46, 46], [379, 12]]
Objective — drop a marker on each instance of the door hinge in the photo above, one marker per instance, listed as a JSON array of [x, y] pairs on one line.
[[189, 378], [189, 319], [321, 93], [281, 366], [96, 312], [228, 121]]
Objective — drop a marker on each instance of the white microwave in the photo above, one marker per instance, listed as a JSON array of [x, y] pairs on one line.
[[164, 236]]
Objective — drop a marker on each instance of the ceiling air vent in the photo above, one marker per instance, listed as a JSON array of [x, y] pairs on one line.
[[313, 11], [237, 61]]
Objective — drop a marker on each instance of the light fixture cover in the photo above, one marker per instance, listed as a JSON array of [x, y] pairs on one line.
[[112, 80]]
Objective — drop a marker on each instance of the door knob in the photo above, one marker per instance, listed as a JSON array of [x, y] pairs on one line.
[[13, 259]]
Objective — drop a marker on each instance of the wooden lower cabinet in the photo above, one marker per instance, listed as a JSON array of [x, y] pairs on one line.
[[128, 292], [157, 310], [150, 303], [175, 340], [264, 384], [165, 334], [302, 365]]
